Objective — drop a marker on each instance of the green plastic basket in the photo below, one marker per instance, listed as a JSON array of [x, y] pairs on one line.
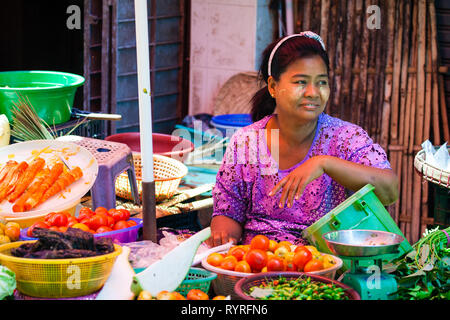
[[362, 210], [196, 278]]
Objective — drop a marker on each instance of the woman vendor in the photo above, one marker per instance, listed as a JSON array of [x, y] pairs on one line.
[[294, 163]]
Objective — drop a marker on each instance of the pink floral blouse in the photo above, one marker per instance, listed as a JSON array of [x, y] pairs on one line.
[[249, 171]]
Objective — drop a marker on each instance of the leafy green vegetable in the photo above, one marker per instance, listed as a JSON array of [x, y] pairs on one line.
[[7, 282], [424, 273]]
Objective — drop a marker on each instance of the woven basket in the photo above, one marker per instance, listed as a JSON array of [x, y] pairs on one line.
[[243, 286], [431, 173], [226, 280], [236, 93], [168, 173]]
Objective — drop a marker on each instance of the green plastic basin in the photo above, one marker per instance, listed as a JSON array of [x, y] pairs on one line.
[[51, 93]]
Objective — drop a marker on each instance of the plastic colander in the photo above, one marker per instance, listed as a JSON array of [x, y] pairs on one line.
[[58, 278]]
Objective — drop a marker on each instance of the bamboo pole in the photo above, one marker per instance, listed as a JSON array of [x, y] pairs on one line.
[[395, 155], [413, 66], [345, 107], [404, 107], [331, 54], [436, 80], [370, 82], [397, 74], [421, 47], [421, 56], [426, 123], [409, 122], [339, 60], [404, 73], [298, 18], [365, 43], [324, 18], [355, 104], [381, 73], [315, 14], [307, 14], [428, 87], [386, 109], [442, 103]]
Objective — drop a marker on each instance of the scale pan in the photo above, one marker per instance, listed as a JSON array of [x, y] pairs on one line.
[[362, 243]]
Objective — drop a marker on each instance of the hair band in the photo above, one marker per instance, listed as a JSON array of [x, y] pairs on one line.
[[308, 34]]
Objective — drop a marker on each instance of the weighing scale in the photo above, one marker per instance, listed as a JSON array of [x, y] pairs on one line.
[[366, 249]]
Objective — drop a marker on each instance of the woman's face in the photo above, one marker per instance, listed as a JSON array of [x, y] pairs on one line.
[[303, 90]]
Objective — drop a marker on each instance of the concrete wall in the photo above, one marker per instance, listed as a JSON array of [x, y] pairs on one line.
[[227, 37]]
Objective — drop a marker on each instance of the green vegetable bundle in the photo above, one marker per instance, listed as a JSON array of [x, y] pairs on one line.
[[423, 273], [7, 282]]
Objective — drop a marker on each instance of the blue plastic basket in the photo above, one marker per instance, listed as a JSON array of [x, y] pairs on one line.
[[233, 120], [230, 123]]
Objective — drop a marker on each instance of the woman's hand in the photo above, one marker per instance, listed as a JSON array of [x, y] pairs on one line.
[[295, 182], [224, 230]]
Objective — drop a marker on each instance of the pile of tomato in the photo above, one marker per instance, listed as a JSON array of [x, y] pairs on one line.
[[266, 255], [99, 221], [193, 294]]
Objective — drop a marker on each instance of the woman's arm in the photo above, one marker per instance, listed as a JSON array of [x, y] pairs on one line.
[[352, 176], [223, 230]]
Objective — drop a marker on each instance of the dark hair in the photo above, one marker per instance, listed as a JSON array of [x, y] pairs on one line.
[[291, 50]]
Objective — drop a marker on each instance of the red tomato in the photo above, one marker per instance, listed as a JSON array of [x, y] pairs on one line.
[[111, 221], [132, 223], [125, 214], [97, 221], [257, 259], [117, 216], [39, 224], [58, 220], [102, 210], [290, 266], [228, 263], [215, 259], [260, 242], [313, 265], [237, 252], [197, 294], [111, 211], [301, 258], [49, 216], [103, 229], [84, 213], [243, 266], [85, 221], [54, 228], [276, 264], [120, 225], [62, 229], [71, 220]]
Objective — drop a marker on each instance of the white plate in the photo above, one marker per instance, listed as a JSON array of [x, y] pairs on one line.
[[49, 150]]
